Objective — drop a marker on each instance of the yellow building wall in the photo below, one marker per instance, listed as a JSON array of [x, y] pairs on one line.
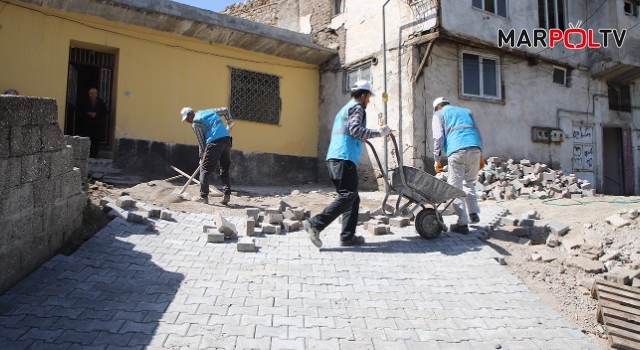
[[160, 79]]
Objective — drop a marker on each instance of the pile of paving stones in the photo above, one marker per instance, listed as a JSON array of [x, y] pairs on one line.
[[131, 210], [510, 180], [586, 252], [276, 220]]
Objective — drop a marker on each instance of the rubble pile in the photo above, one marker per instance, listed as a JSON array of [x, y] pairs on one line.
[[276, 220], [510, 180]]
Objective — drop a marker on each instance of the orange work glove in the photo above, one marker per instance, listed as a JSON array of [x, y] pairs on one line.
[[438, 167], [482, 163]]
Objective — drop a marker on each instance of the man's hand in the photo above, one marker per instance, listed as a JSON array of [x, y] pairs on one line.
[[482, 163], [438, 167], [384, 130]]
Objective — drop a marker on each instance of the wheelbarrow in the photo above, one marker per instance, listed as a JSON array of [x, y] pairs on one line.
[[420, 189]]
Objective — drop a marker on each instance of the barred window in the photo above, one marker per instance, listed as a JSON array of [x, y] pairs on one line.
[[255, 96]]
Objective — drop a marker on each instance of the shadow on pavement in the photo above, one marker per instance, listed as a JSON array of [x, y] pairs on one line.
[[105, 294]]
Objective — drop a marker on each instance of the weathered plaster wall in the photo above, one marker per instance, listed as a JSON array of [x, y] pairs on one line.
[[462, 18], [530, 99], [41, 198]]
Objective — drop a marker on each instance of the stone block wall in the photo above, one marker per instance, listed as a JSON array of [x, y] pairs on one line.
[[41, 197], [152, 160]]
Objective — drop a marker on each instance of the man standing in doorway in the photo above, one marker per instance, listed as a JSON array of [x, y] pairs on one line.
[[214, 142], [456, 132], [349, 131], [96, 112]]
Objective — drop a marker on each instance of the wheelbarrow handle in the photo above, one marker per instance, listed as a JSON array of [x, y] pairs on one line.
[[382, 170]]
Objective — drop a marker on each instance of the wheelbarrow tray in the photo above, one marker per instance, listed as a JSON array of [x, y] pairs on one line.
[[423, 187]]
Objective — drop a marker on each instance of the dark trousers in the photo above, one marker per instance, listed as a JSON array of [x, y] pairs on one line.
[[216, 151], [345, 177], [94, 131]]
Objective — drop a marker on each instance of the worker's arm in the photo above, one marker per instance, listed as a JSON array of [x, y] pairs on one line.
[[438, 137], [202, 141], [475, 125], [356, 129], [224, 112]]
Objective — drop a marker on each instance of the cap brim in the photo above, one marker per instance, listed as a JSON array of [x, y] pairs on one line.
[[184, 117], [372, 93]]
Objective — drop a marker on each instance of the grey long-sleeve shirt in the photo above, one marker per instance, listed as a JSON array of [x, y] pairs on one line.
[[438, 136], [357, 126]]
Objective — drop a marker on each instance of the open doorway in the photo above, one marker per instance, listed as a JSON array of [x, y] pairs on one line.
[[89, 69], [617, 156]]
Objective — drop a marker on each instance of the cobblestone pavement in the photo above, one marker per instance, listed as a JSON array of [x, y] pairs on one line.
[[129, 288]]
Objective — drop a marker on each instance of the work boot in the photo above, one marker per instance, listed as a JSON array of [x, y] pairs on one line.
[[355, 240], [464, 229], [204, 200], [474, 217], [225, 200], [314, 234]]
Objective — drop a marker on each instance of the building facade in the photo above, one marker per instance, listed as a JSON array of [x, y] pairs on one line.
[[574, 109], [148, 59]]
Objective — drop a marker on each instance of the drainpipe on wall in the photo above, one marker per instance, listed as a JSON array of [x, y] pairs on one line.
[[385, 95]]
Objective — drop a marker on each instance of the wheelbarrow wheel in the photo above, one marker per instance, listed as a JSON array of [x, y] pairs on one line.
[[427, 224]]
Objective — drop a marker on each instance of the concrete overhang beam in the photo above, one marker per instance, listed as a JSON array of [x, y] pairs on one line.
[[212, 27]]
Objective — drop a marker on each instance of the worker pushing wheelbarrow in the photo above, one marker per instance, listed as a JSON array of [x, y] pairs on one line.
[[420, 189]]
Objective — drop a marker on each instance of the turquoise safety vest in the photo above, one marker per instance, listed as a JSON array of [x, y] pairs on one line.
[[213, 128], [343, 145], [459, 129]]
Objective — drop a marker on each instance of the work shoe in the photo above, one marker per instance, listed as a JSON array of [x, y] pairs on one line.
[[475, 218], [225, 200], [204, 200], [314, 234], [464, 229], [355, 240]]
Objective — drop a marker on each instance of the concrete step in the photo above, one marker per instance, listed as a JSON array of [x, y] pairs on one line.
[[122, 180]]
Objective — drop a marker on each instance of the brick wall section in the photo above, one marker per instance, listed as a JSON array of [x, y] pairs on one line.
[[41, 198]]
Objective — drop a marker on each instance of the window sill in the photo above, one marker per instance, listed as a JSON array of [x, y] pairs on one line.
[[499, 101], [491, 13]]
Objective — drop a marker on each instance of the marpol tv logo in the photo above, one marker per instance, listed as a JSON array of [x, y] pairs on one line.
[[574, 38]]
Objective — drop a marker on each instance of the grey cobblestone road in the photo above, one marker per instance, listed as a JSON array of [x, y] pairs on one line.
[[127, 288]]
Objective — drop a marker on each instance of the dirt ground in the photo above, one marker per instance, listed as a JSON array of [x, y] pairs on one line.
[[562, 287]]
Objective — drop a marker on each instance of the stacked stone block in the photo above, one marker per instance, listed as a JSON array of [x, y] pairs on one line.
[[41, 198], [510, 180]]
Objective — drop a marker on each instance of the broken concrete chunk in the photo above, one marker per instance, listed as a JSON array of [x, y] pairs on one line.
[[247, 245], [269, 229], [509, 220], [291, 225], [364, 214], [274, 219], [283, 206], [572, 241], [592, 249], [633, 214], [289, 215], [536, 257], [272, 210], [225, 227], [126, 202], [377, 230], [213, 236], [250, 227], [399, 222], [553, 240], [617, 221], [520, 231], [253, 213], [589, 266], [558, 228], [620, 275], [533, 215], [547, 256], [612, 255]]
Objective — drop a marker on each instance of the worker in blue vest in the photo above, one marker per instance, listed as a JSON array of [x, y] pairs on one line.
[[456, 133], [348, 133], [214, 143]]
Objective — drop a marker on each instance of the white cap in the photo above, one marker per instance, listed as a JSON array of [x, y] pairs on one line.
[[362, 85], [185, 112], [438, 101]]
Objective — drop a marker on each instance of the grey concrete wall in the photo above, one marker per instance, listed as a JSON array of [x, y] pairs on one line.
[[152, 160], [41, 198]]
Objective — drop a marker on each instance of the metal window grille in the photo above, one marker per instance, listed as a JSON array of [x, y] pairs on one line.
[[422, 8], [255, 96], [90, 57]]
